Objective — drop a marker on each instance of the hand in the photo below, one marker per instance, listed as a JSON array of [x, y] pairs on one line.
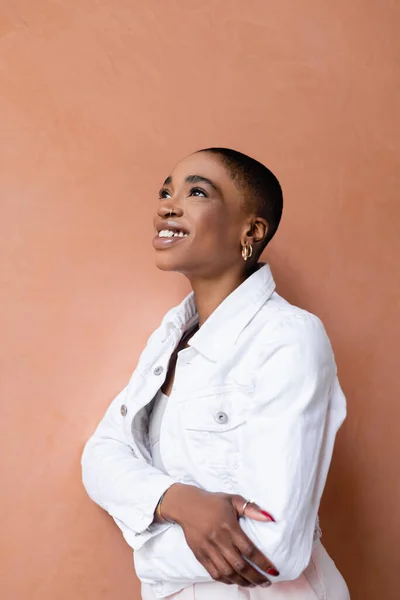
[[212, 531]]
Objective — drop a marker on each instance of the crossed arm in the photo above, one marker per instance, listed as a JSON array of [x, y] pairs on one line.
[[289, 443]]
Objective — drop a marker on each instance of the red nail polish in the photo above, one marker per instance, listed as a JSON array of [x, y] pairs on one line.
[[264, 512], [273, 572]]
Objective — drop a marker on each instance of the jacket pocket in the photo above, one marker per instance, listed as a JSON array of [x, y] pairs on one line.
[[213, 427], [215, 419]]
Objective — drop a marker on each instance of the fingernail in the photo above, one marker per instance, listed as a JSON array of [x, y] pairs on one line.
[[270, 517], [266, 584], [273, 572]]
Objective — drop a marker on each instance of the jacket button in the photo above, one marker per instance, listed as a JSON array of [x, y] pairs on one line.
[[124, 410], [158, 370], [221, 418]]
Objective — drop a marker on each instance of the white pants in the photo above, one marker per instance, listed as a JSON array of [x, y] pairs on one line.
[[320, 581]]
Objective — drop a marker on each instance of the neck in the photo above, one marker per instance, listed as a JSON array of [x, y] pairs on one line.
[[210, 292]]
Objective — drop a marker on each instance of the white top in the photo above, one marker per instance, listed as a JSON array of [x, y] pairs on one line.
[[254, 410]]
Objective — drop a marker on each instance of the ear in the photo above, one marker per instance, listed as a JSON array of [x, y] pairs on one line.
[[255, 232]]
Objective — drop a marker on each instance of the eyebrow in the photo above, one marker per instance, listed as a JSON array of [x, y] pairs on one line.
[[201, 179], [195, 179]]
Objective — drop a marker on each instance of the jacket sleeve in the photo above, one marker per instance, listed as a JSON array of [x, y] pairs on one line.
[[118, 478], [298, 409], [287, 448]]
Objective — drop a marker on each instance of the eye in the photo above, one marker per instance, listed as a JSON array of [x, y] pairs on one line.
[[164, 193], [198, 192]]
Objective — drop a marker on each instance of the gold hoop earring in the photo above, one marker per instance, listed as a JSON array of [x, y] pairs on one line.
[[247, 251]]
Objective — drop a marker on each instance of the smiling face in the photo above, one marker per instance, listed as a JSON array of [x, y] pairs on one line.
[[201, 221]]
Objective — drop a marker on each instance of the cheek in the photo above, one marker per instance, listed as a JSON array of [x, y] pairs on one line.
[[213, 226], [219, 240]]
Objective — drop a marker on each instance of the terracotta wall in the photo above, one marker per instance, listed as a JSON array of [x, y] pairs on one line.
[[98, 99]]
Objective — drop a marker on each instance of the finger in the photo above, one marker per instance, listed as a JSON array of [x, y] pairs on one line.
[[253, 511], [205, 560], [246, 508], [251, 552], [242, 567], [239, 503], [223, 570]]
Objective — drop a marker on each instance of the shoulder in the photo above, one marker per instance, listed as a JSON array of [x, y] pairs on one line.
[[284, 325]]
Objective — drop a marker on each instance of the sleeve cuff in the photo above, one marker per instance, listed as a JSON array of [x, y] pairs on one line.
[[143, 527]]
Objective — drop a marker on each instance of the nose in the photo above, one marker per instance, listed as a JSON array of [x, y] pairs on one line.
[[169, 210]]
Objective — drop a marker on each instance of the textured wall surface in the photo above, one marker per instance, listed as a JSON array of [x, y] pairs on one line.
[[98, 99]]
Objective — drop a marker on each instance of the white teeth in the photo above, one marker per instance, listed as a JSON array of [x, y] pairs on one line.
[[167, 233]]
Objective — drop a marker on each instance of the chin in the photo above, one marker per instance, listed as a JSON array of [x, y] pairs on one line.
[[165, 263]]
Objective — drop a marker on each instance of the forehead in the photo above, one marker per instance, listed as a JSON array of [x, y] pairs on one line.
[[206, 165]]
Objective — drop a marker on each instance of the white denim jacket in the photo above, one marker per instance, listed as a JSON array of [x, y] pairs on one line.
[[255, 408]]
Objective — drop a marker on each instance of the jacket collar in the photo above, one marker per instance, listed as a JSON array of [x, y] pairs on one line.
[[226, 323]]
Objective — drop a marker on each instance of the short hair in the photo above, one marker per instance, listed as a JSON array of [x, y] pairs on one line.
[[262, 190]]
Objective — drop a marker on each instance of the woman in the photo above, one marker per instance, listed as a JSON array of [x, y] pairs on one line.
[[213, 459]]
